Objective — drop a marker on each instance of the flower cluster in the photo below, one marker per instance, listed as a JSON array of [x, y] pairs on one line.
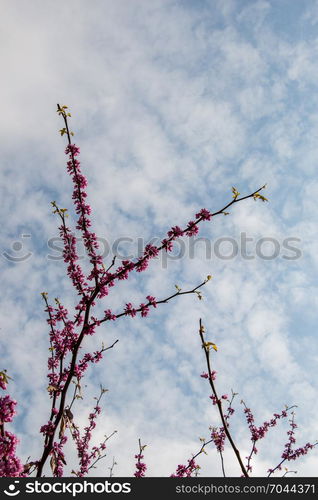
[[109, 315], [58, 457], [82, 443], [261, 431], [129, 310], [10, 464], [48, 429], [186, 470], [216, 401], [218, 435], [141, 467], [7, 409], [82, 365], [206, 375], [83, 209], [152, 251], [62, 340], [289, 453]]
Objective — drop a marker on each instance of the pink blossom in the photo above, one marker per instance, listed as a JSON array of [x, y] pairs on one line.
[[204, 214], [151, 300], [175, 232], [218, 437], [167, 245], [7, 409], [142, 264], [129, 310], [72, 149], [144, 310], [186, 470], [109, 315], [48, 429], [151, 250], [192, 229]]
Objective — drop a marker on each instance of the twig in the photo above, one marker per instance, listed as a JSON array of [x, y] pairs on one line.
[[219, 402]]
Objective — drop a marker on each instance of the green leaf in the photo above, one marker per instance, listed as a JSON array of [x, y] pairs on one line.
[[259, 197], [208, 345]]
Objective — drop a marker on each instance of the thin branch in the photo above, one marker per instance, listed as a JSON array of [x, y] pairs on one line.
[[112, 264], [111, 469], [162, 301], [219, 402], [194, 223]]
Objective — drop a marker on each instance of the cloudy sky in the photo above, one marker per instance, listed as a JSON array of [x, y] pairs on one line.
[[173, 103]]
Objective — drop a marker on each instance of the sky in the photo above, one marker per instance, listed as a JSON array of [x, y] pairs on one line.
[[173, 103]]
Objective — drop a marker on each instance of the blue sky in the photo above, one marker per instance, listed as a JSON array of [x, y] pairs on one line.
[[172, 104]]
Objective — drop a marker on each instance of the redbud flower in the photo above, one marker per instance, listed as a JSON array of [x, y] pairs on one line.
[[192, 229], [167, 245], [175, 232], [109, 315], [151, 250], [7, 409], [141, 467], [204, 214], [151, 300], [144, 310], [72, 149], [141, 265], [129, 310]]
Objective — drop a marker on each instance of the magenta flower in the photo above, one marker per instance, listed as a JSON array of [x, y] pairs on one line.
[[186, 470], [175, 232], [192, 229], [72, 149], [129, 310], [204, 214], [109, 315], [151, 300], [167, 245], [144, 310], [151, 251], [218, 437], [7, 409], [141, 467], [141, 265]]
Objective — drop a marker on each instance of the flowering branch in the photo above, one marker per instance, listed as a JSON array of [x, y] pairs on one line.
[[218, 435], [218, 402], [174, 233], [141, 467], [187, 470], [67, 342], [82, 443], [97, 452], [151, 301], [258, 433], [10, 464], [289, 453]]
